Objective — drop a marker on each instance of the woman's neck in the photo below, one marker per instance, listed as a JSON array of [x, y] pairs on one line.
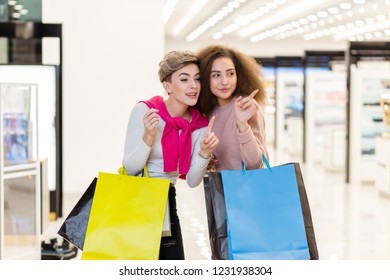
[[176, 109]]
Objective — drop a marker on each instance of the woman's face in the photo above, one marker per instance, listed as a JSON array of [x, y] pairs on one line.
[[223, 79], [185, 85]]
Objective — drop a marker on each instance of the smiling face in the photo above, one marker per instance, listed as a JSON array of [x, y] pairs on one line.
[[223, 80], [184, 85]]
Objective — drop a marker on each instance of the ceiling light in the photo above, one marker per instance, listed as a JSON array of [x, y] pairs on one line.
[[333, 10], [360, 38], [359, 1], [322, 14], [282, 15], [303, 21], [189, 17], [359, 23], [271, 6], [295, 24], [233, 5], [345, 6], [168, 9], [380, 17], [214, 19], [369, 20], [362, 28]]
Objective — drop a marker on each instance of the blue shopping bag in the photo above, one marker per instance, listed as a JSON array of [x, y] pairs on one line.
[[264, 214]]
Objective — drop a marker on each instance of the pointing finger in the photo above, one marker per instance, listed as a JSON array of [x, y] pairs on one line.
[[253, 93], [210, 126]]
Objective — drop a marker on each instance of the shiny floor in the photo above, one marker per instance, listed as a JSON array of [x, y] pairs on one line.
[[351, 222]]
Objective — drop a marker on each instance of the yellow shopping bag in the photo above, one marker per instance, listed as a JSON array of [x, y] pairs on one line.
[[126, 218]]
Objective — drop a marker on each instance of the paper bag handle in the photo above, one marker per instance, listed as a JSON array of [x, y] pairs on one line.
[[122, 171], [265, 161]]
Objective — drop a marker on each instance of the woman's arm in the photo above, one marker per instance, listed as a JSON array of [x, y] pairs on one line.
[[136, 151], [199, 164], [252, 141]]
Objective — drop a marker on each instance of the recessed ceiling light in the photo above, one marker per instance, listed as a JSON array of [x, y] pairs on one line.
[[322, 14], [380, 17], [345, 6], [333, 10]]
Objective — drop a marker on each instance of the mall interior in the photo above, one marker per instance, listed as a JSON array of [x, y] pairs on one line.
[[71, 72]]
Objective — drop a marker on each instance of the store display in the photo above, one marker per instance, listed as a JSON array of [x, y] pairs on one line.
[[325, 121], [289, 109], [366, 117], [19, 173]]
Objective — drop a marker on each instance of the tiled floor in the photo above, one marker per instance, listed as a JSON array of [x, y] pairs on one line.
[[351, 222]]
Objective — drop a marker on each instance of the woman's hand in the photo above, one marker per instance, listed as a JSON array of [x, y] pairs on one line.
[[244, 109], [150, 122], [209, 141]]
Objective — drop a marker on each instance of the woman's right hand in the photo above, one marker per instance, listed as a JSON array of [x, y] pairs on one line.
[[150, 122], [209, 142]]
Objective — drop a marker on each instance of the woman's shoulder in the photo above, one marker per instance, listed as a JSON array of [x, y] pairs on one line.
[[141, 106]]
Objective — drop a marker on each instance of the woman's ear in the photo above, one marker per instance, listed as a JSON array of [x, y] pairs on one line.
[[167, 87]]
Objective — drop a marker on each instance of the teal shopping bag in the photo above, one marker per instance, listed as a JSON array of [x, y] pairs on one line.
[[264, 214]]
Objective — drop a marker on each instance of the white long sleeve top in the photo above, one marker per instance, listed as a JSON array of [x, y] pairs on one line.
[[137, 154]]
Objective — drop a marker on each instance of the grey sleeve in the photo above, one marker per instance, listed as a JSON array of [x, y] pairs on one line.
[[198, 167], [136, 152]]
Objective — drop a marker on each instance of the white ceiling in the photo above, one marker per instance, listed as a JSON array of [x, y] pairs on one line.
[[282, 21]]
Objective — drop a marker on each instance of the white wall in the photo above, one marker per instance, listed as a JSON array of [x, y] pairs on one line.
[[111, 51]]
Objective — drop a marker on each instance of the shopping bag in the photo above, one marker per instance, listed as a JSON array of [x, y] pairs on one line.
[[126, 218], [265, 215], [216, 215], [75, 225]]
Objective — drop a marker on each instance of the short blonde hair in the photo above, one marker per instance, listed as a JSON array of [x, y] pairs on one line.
[[174, 61]]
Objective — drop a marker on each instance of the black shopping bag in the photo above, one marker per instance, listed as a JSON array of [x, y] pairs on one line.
[[75, 225], [216, 215]]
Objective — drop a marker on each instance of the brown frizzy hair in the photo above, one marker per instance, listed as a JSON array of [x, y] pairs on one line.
[[174, 61], [248, 73]]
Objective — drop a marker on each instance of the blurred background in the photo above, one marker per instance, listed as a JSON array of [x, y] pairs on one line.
[[78, 67]]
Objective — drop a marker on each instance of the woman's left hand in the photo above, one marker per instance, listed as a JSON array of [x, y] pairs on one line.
[[244, 109]]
